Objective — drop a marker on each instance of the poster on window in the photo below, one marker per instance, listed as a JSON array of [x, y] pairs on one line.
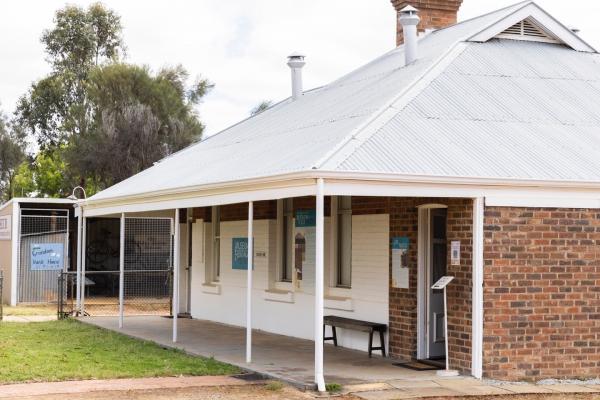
[[47, 256], [400, 246], [455, 252], [304, 236], [5, 227]]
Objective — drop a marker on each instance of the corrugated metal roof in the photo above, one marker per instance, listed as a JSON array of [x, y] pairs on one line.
[[502, 109], [489, 88]]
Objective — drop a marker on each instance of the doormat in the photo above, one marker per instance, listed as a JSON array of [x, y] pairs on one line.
[[417, 366]]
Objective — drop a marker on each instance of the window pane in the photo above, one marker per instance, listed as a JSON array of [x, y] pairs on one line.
[[344, 275]]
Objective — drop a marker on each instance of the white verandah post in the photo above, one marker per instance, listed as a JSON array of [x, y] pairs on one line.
[[121, 269], [83, 261], [249, 288], [176, 267], [477, 300], [79, 214], [319, 285]]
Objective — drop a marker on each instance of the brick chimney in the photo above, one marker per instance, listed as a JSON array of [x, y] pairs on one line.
[[435, 14]]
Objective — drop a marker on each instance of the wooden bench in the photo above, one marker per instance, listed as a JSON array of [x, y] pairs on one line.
[[356, 325]]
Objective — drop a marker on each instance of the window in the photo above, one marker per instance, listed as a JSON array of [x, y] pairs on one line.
[[343, 209], [286, 216], [216, 243]]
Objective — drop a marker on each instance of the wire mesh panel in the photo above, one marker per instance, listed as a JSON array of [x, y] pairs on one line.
[[148, 266], [43, 254]]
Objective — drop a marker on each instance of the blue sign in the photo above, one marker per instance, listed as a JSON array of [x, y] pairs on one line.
[[400, 243], [47, 257], [306, 218], [239, 253]]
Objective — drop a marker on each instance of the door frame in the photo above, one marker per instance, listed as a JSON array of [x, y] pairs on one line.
[[423, 260]]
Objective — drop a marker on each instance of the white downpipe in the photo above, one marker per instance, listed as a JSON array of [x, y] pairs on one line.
[[78, 283], [176, 266], [249, 288], [83, 261], [477, 342], [122, 270], [16, 252], [319, 286]]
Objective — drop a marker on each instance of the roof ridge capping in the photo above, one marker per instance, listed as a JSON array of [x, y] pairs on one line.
[[546, 21]]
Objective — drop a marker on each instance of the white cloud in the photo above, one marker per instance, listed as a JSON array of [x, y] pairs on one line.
[[240, 45]]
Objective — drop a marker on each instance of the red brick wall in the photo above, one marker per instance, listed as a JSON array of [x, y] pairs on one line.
[[541, 293], [435, 14]]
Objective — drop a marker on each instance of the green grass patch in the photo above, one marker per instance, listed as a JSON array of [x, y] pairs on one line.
[[70, 350], [333, 387], [28, 311], [274, 386]]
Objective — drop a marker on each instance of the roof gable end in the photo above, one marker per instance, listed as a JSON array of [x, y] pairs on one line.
[[532, 23]]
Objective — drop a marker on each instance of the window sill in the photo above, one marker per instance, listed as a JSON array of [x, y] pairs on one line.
[[280, 296], [283, 286], [211, 288], [339, 303], [336, 291]]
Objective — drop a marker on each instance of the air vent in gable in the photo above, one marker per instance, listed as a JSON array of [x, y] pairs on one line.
[[527, 30]]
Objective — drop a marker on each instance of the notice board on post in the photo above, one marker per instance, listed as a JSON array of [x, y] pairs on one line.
[[400, 246]]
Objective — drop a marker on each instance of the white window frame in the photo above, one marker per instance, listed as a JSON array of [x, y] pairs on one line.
[[215, 262], [338, 212], [285, 244]]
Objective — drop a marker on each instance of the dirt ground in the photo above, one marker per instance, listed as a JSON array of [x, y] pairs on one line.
[[261, 392]]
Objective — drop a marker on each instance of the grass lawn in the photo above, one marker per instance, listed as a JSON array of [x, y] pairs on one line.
[[69, 350], [27, 311]]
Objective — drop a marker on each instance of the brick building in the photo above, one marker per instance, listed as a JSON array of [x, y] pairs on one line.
[[473, 155]]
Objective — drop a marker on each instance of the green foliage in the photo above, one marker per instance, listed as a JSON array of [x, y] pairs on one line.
[[262, 106], [70, 350], [12, 152], [333, 387], [274, 386], [97, 120]]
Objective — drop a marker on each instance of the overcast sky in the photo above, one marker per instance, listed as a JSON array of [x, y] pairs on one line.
[[240, 45]]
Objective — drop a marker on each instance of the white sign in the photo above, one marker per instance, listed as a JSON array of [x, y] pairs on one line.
[[47, 256], [5, 227], [455, 252], [442, 283]]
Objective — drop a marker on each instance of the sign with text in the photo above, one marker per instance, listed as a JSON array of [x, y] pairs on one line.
[[455, 252], [442, 282], [47, 256], [5, 227], [306, 218], [400, 247], [239, 253]]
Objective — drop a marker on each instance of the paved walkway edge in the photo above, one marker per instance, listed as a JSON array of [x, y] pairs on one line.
[[71, 387]]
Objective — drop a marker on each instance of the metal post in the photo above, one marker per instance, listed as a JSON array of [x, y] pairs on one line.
[[83, 263], [78, 281], [122, 270], [446, 330], [176, 266], [249, 288], [319, 287]]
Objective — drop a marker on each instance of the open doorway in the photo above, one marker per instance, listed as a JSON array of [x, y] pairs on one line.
[[433, 254]]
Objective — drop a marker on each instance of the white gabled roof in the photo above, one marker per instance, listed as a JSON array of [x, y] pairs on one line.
[[457, 111]]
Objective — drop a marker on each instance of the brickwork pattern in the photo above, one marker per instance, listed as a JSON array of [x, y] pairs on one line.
[[435, 14], [541, 293]]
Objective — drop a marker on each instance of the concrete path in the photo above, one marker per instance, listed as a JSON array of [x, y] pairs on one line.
[[74, 387], [28, 318], [461, 387]]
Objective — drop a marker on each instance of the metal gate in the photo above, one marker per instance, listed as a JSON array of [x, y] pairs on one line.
[[148, 265], [147, 269], [43, 254]]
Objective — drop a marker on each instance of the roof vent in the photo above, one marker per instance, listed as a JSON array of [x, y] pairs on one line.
[[409, 19], [296, 62], [527, 30]]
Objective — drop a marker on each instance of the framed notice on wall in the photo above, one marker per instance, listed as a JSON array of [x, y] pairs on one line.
[[5, 227], [400, 246]]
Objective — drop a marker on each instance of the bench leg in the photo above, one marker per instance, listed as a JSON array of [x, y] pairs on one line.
[[370, 343], [381, 339], [334, 336]]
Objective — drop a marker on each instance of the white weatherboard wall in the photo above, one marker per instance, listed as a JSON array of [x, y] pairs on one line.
[[366, 300]]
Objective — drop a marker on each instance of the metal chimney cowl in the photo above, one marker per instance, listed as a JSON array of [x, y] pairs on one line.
[[409, 19], [296, 62]]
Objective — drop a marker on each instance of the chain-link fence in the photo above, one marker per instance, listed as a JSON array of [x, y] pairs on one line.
[[1, 298], [43, 254], [148, 278]]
